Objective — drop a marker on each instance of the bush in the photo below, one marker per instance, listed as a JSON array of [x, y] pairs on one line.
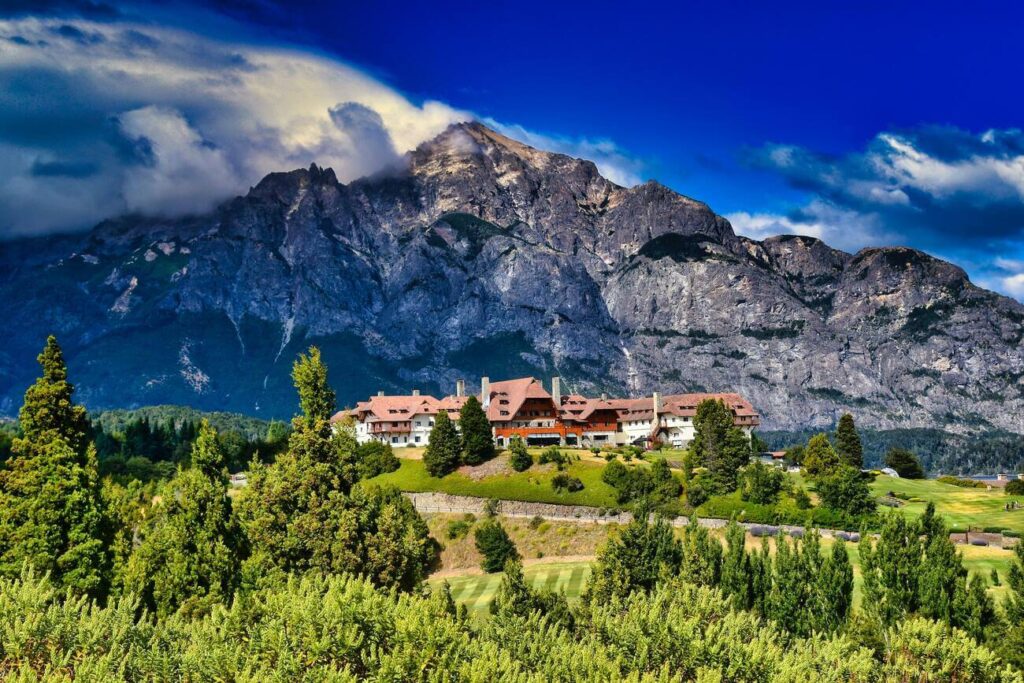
[[458, 529], [845, 490], [802, 500], [519, 458], [1015, 487], [374, 458], [552, 454], [905, 463], [965, 483], [535, 522], [491, 507], [494, 544], [696, 494], [563, 482], [993, 529]]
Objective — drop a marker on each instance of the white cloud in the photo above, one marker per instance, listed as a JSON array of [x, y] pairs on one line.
[[1014, 286], [612, 162], [215, 117], [838, 227]]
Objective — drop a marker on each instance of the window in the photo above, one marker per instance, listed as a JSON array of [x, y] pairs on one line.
[[417, 439]]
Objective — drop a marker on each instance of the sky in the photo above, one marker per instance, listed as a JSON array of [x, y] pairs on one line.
[[864, 124]]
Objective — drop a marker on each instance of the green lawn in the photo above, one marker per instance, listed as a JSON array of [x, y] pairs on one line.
[[533, 485], [961, 507], [477, 591]]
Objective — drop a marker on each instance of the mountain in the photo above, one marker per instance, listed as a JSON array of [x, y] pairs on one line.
[[486, 256]]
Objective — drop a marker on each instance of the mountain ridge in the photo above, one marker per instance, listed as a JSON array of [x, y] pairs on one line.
[[486, 256]]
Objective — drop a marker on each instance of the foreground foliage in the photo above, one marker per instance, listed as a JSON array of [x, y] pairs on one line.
[[341, 628]]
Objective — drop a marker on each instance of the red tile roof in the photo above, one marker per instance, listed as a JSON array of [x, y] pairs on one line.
[[507, 397]]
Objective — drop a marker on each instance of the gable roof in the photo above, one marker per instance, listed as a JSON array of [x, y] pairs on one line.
[[509, 395]]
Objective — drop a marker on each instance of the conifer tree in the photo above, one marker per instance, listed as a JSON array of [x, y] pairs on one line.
[[819, 458], [711, 425], [519, 457], [848, 445], [701, 561], [441, 456], [725, 466], [50, 509], [634, 559], [298, 514], [834, 588], [890, 567], [736, 581], [475, 428], [790, 594], [190, 545]]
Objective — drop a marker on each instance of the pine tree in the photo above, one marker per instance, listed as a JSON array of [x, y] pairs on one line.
[[634, 560], [848, 445], [475, 428], [494, 545], [834, 589], [519, 457], [190, 545], [819, 459], [297, 511], [702, 555], [891, 568], [724, 467], [712, 423], [736, 581], [441, 456], [50, 509]]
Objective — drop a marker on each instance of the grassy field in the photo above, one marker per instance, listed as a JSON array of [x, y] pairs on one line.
[[534, 485], [961, 507], [477, 591]]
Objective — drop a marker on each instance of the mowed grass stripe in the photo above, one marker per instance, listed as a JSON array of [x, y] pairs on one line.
[[477, 592]]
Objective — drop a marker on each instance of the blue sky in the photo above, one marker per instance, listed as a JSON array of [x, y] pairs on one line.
[[866, 124]]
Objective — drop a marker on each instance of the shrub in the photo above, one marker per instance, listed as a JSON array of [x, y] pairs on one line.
[[905, 463], [696, 494], [494, 544], [802, 500], [993, 529], [965, 483], [458, 529], [535, 522], [563, 482], [845, 490], [519, 458], [374, 458], [1015, 487], [491, 507], [552, 454]]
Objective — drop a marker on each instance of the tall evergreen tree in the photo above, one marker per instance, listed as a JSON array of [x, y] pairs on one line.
[[297, 511], [441, 456], [819, 458], [475, 428], [834, 588], [711, 424], [634, 559], [190, 545], [736, 581], [890, 567], [848, 445], [701, 561], [50, 508]]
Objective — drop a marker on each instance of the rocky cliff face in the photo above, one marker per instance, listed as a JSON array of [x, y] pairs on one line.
[[486, 256]]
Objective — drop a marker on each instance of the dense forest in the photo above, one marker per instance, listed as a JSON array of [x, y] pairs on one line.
[[309, 573]]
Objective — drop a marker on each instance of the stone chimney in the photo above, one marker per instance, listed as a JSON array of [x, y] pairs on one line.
[[415, 392], [485, 391], [380, 393], [656, 401], [460, 387], [556, 391], [604, 396]]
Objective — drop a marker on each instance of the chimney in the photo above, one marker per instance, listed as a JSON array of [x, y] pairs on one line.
[[485, 391], [460, 387], [604, 396], [415, 392], [556, 391], [380, 393], [656, 402]]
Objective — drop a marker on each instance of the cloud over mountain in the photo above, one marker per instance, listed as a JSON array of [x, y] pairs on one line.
[[97, 119]]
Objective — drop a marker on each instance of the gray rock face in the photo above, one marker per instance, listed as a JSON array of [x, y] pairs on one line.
[[487, 257]]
